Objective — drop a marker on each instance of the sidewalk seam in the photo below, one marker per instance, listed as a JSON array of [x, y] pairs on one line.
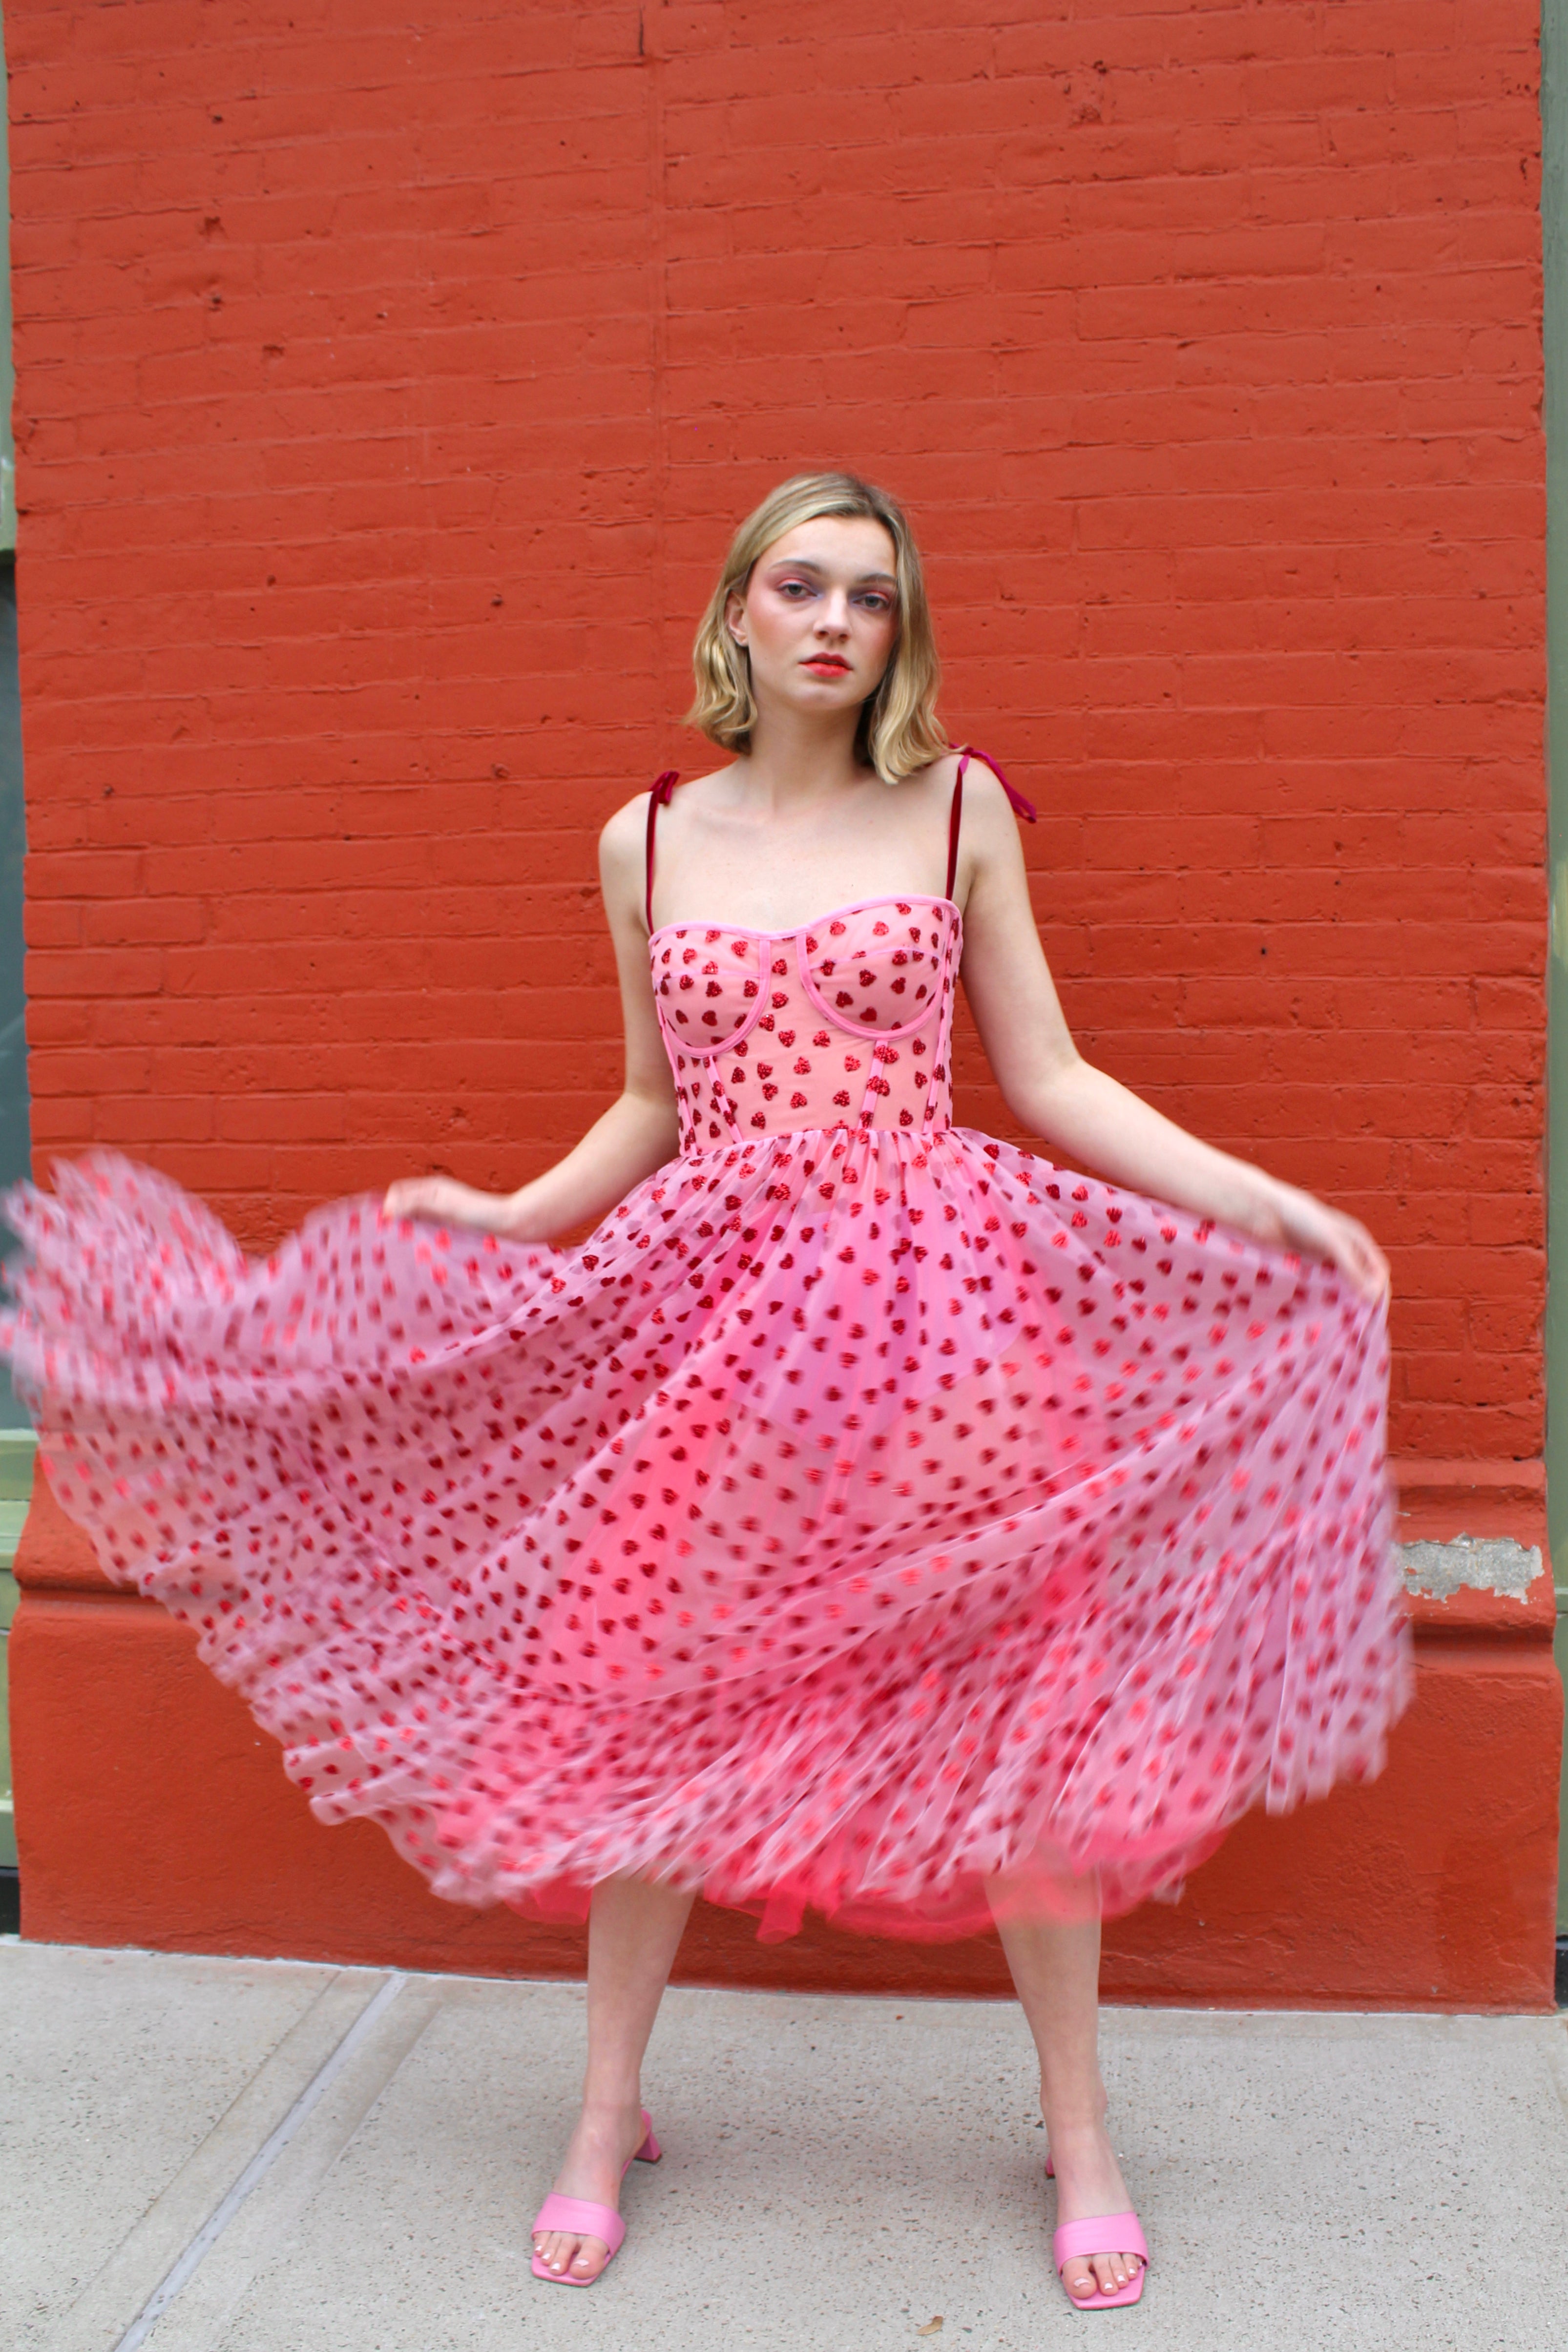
[[183, 2268]]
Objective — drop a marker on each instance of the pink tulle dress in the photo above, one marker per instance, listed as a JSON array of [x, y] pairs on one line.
[[868, 1509]]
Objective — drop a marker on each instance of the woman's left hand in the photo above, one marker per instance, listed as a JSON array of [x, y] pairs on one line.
[[442, 1201], [1309, 1225]]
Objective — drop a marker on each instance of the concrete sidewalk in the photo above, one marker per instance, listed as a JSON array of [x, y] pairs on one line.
[[839, 2173]]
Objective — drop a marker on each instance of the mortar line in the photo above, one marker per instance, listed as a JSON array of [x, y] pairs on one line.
[[183, 2268]]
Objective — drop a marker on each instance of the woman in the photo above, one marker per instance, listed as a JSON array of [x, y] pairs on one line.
[[868, 1515]]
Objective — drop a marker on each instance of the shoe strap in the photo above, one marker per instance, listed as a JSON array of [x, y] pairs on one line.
[[580, 2215], [1101, 2233]]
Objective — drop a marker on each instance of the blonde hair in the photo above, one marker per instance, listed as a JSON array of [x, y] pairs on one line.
[[898, 729]]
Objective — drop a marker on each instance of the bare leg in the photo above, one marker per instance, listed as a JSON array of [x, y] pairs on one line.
[[634, 1932], [1055, 1968]]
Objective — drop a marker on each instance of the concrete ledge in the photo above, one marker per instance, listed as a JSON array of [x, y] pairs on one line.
[[153, 1812]]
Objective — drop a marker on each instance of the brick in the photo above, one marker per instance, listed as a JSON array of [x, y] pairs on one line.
[[1204, 341]]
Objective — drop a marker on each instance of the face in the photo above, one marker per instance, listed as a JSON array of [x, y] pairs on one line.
[[819, 616]]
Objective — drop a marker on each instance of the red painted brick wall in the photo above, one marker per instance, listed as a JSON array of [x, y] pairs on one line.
[[389, 378]]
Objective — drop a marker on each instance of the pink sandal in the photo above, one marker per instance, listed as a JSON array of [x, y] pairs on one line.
[[1130, 2241], [591, 2220], [1102, 2233]]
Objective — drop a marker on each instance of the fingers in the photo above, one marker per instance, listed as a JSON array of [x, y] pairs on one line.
[[401, 1199], [1309, 1226], [1359, 1258], [441, 1200], [413, 1196], [1348, 1246]]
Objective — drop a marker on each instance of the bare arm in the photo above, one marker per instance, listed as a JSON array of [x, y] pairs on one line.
[[1079, 1110], [638, 1132]]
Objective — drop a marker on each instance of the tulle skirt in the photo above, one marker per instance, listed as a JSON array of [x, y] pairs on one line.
[[896, 1526]]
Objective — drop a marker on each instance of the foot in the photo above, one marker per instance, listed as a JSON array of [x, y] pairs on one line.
[[1088, 2181], [595, 2164]]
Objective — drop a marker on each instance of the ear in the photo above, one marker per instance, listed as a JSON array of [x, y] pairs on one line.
[[734, 616]]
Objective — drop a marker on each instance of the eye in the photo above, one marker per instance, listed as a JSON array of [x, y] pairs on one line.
[[794, 589]]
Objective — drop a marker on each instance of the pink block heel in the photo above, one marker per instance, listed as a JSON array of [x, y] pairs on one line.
[[1102, 2233], [590, 2221]]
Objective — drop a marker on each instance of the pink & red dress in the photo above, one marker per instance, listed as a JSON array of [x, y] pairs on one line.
[[869, 1508]]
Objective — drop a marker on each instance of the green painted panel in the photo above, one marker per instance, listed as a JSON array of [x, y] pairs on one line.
[[16, 1449]]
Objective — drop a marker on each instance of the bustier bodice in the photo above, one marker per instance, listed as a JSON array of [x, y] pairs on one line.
[[845, 1023]]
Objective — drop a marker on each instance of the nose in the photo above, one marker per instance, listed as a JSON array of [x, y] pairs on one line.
[[832, 613]]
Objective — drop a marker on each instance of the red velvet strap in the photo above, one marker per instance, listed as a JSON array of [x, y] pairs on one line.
[[1020, 806], [659, 798]]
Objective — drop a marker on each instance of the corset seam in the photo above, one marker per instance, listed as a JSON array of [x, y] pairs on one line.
[[711, 1052], [695, 1046], [847, 1128], [943, 1058], [847, 1029]]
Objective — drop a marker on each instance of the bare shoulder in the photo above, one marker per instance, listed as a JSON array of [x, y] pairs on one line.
[[986, 807], [933, 783], [623, 840], [621, 859], [624, 835], [987, 814], [620, 839]]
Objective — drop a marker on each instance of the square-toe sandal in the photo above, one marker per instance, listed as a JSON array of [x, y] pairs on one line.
[[581, 2215], [1101, 2233]]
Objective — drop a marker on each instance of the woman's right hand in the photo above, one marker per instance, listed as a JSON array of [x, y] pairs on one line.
[[1312, 1227], [442, 1201]]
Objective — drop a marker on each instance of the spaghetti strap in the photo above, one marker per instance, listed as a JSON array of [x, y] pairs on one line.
[[658, 798], [1020, 806]]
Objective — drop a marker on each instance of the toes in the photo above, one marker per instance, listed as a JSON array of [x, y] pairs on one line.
[[1087, 2274], [561, 2253]]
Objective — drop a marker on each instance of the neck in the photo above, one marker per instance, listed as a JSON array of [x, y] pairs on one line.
[[799, 757]]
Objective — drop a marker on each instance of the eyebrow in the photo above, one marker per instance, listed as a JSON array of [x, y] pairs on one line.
[[809, 563]]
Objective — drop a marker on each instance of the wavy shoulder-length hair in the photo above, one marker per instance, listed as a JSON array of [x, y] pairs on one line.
[[898, 729]]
